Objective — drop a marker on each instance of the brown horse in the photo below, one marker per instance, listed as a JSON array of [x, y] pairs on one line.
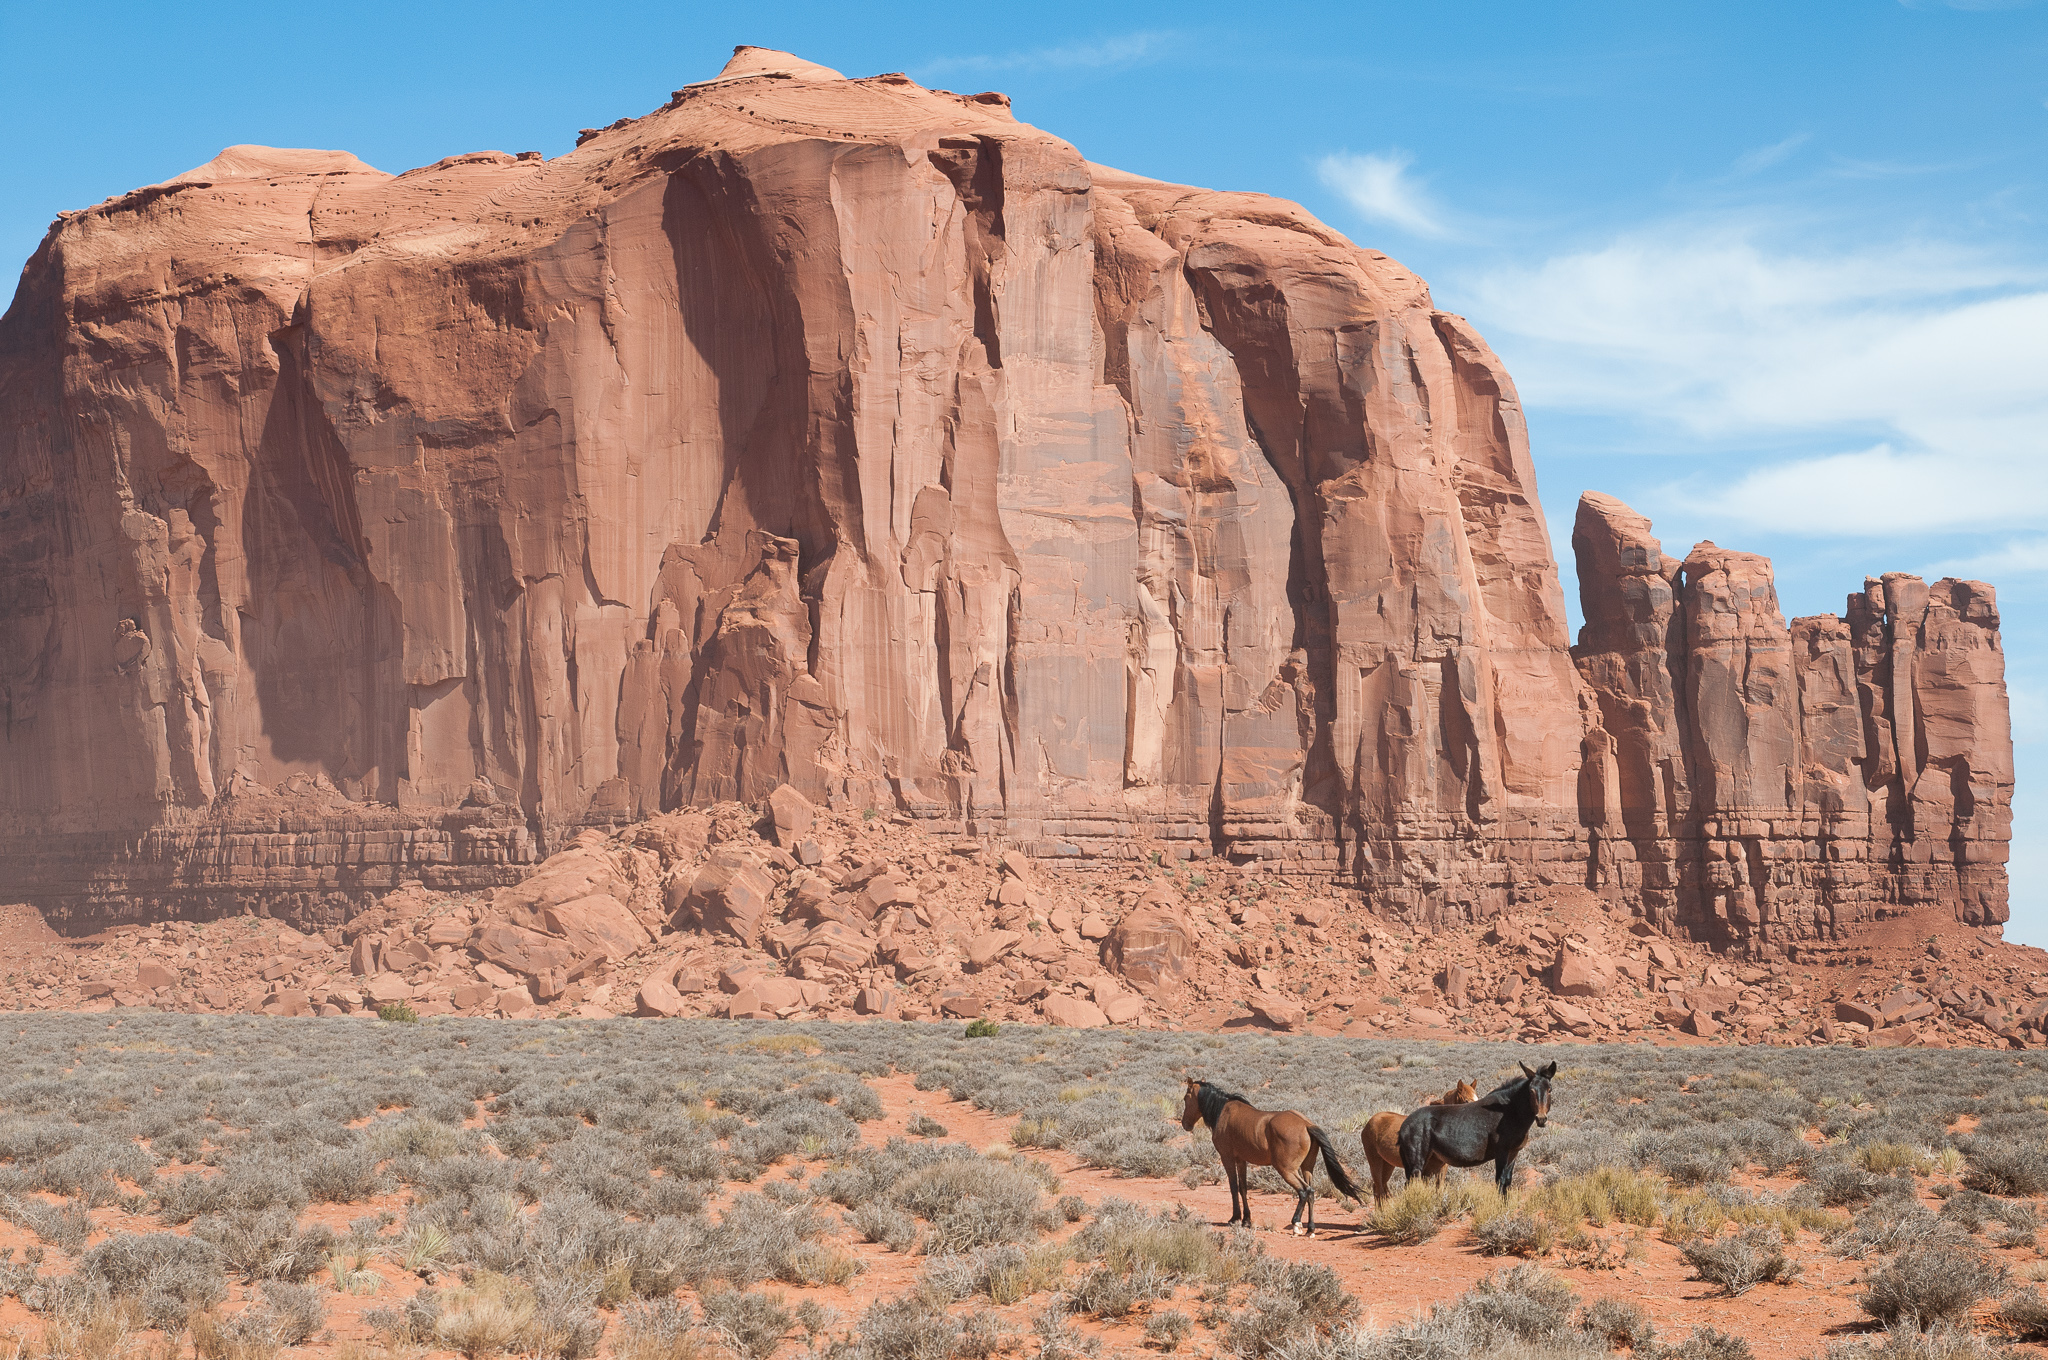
[[1382, 1133], [1246, 1137]]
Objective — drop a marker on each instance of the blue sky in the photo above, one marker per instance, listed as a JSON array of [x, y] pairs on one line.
[[1776, 274]]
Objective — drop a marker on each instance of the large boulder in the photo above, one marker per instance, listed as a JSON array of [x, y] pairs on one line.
[[793, 815], [597, 924], [1152, 948], [836, 947], [729, 896], [516, 949], [1072, 1012], [1581, 972]]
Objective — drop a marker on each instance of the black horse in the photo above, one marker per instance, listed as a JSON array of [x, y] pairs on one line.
[[1493, 1128]]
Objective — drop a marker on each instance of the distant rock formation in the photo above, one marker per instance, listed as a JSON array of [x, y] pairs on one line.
[[1750, 781], [367, 529]]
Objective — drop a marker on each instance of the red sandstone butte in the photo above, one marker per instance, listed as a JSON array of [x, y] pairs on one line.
[[844, 435]]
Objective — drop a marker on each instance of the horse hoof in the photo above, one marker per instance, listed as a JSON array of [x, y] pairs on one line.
[[1300, 1231]]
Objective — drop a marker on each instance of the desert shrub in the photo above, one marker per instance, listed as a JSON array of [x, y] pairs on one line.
[[969, 1203], [2006, 1166], [924, 1126], [1969, 1210], [1891, 1224], [167, 1275], [1842, 1183], [1060, 1339], [1168, 1328], [1307, 1300], [1072, 1208], [906, 1328], [884, 1223], [486, 1318], [1926, 1285], [64, 1226], [1742, 1260], [565, 1324], [342, 1177], [1622, 1322], [296, 1312], [657, 1331], [411, 1323], [1514, 1234], [982, 1335], [1110, 1293], [248, 1335], [1940, 1342], [1526, 1302], [1707, 1344], [267, 1245], [2024, 1315]]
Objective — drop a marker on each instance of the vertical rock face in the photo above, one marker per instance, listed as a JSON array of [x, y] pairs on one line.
[[856, 437], [1747, 781]]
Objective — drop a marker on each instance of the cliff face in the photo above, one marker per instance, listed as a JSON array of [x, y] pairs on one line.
[[362, 528], [1753, 781]]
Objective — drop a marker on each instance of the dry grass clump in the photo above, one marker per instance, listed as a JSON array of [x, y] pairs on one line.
[[1422, 1209]]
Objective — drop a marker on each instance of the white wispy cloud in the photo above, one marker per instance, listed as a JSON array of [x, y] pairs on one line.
[[1934, 353], [2020, 556], [1380, 189], [1764, 157], [1124, 50]]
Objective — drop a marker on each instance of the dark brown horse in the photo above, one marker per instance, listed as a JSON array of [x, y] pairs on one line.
[[1246, 1137], [1382, 1138]]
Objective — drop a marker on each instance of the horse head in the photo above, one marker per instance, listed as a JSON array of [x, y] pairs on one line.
[[1191, 1106], [1539, 1090], [1462, 1094]]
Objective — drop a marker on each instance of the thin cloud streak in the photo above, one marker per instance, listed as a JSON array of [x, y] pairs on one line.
[[1379, 189], [1130, 49], [1764, 157]]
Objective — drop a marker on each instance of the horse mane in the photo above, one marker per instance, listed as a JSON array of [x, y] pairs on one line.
[[1500, 1097], [1212, 1099]]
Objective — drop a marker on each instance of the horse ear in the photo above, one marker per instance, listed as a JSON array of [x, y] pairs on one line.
[[1550, 1071], [1525, 1069]]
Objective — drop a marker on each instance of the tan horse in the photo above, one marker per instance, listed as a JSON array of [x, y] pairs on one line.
[[1381, 1136], [1246, 1137]]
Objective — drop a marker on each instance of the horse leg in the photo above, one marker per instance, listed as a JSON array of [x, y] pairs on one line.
[[1301, 1186], [1235, 1171], [1504, 1172]]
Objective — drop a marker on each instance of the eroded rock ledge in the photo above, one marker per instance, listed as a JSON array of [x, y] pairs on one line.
[[857, 437]]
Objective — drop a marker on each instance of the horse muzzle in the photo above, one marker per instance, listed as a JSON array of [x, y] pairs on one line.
[[1542, 1121]]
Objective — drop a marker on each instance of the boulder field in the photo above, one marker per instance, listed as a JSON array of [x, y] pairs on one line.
[[799, 912], [856, 439]]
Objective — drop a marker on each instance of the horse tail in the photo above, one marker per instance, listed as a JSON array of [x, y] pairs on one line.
[[1339, 1177]]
